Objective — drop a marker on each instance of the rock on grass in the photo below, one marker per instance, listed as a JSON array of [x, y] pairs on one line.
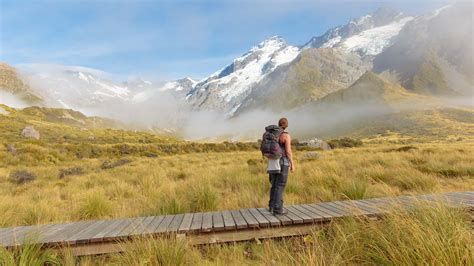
[[20, 177], [109, 164], [70, 171]]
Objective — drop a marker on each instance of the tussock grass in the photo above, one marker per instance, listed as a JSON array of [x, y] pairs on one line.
[[426, 235], [95, 206], [218, 181], [429, 235], [202, 197], [150, 251], [29, 255]]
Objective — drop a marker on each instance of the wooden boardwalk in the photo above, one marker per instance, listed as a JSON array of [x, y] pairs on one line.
[[103, 236]]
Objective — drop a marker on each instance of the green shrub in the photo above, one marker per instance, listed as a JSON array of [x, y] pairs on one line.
[[344, 143]]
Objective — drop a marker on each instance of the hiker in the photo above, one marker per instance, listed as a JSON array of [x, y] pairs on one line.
[[276, 146]]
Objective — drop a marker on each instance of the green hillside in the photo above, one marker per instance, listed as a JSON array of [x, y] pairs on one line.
[[12, 83], [312, 75], [370, 88]]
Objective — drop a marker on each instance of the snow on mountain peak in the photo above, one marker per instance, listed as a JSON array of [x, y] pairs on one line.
[[235, 80], [367, 35], [373, 41]]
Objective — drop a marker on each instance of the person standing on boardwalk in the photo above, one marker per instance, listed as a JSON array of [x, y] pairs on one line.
[[276, 146]]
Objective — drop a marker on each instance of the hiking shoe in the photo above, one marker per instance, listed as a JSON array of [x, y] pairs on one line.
[[282, 212]]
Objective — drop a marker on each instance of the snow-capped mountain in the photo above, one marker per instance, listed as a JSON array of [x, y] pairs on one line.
[[433, 54], [84, 89], [225, 89], [76, 89], [178, 88], [426, 54], [367, 35]]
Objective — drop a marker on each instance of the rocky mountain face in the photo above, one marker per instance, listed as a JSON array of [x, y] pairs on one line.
[[82, 89], [178, 88], [370, 89], [226, 89], [430, 54], [274, 75], [366, 36], [12, 85], [312, 75], [433, 54]]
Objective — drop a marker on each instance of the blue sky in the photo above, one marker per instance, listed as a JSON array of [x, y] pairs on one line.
[[165, 40]]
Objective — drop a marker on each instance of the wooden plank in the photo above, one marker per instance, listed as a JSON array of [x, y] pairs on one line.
[[89, 232], [58, 230], [140, 229], [11, 234], [240, 222], [69, 231], [324, 216], [151, 227], [229, 222], [334, 209], [116, 233], [37, 234], [463, 195], [186, 224], [295, 219], [350, 207], [249, 234], [284, 219], [262, 221], [251, 221], [174, 225], [407, 201], [296, 210], [18, 236], [463, 198], [131, 228], [455, 196], [315, 215], [391, 203], [84, 235], [217, 221], [371, 210], [208, 238], [197, 222], [164, 224], [269, 216], [459, 202], [99, 236], [380, 207], [207, 222], [324, 208]]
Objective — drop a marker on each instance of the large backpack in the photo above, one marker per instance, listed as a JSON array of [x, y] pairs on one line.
[[270, 146]]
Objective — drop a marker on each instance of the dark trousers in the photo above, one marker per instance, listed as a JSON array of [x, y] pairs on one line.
[[278, 182]]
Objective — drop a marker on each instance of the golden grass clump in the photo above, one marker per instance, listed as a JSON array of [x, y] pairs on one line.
[[428, 235], [95, 206]]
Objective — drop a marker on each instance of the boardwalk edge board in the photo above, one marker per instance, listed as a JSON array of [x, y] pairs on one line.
[[104, 236]]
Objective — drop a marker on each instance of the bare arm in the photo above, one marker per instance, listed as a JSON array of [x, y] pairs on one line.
[[288, 151]]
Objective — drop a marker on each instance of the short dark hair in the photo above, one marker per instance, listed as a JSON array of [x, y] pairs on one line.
[[283, 122]]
